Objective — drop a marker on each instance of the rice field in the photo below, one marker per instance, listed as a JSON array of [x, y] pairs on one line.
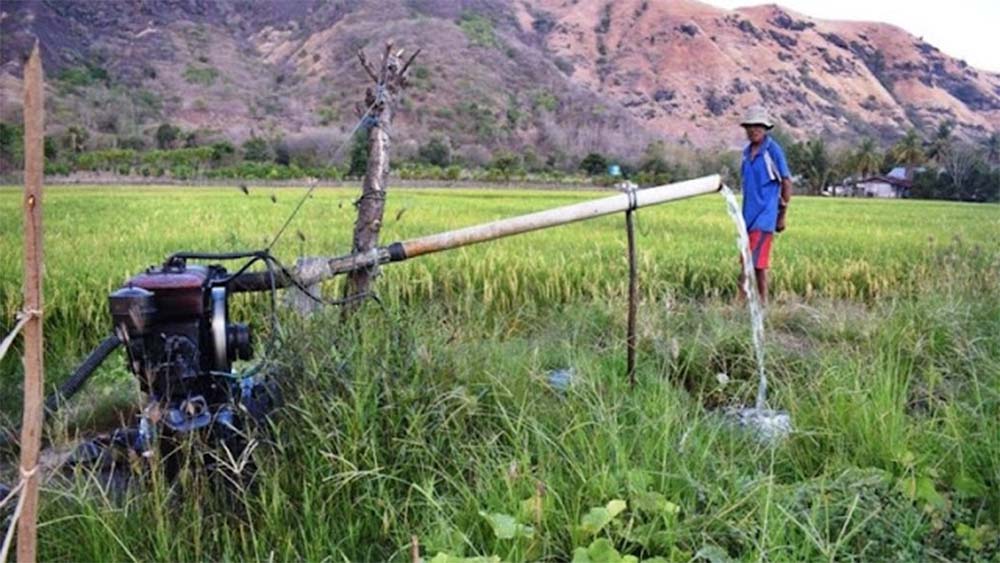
[[432, 417]]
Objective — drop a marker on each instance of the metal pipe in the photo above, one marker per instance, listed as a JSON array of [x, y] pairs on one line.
[[314, 270], [633, 296], [553, 217]]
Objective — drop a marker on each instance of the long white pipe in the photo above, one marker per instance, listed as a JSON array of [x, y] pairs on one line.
[[558, 216], [314, 270]]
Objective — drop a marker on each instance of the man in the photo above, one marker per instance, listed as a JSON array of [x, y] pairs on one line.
[[767, 190]]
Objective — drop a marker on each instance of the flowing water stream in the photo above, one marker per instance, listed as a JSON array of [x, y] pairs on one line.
[[750, 291], [769, 426]]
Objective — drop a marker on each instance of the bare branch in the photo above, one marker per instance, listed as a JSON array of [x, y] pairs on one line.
[[406, 67], [369, 69]]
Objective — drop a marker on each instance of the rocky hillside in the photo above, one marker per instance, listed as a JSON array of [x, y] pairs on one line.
[[683, 67], [560, 77]]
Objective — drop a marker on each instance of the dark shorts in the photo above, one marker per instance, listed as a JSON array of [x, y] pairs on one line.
[[760, 249]]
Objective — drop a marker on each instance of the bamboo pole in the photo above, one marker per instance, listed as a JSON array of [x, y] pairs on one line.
[[31, 426]]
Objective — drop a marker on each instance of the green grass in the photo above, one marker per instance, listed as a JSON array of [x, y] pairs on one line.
[[432, 417]]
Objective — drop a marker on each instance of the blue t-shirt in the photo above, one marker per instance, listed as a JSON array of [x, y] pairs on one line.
[[762, 177]]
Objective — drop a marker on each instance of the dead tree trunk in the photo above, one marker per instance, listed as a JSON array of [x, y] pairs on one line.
[[31, 427], [380, 101]]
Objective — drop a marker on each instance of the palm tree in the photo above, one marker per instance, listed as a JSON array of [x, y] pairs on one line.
[[867, 159], [909, 151], [941, 143], [817, 166]]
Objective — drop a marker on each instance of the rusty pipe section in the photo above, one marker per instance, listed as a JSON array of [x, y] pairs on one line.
[[313, 270]]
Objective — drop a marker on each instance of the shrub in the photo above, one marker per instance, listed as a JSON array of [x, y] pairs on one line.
[[204, 75], [437, 151], [594, 164], [506, 165], [167, 135], [256, 149], [479, 30], [109, 159]]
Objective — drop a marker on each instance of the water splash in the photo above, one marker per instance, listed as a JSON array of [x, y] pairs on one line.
[[750, 291]]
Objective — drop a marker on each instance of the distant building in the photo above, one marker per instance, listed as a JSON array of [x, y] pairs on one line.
[[895, 184]]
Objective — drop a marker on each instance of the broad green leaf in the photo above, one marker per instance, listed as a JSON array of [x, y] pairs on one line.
[[616, 507], [713, 554], [529, 507], [926, 492], [580, 555], [603, 551], [638, 480], [969, 487], [448, 558], [600, 516], [974, 538], [908, 486], [506, 527], [654, 503]]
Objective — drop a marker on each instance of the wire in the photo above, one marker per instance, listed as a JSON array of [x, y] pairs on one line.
[[350, 137]]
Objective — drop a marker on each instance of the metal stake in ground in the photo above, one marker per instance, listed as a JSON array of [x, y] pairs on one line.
[[633, 284], [389, 80], [31, 427]]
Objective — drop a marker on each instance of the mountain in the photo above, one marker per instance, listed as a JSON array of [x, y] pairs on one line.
[[686, 67], [556, 78]]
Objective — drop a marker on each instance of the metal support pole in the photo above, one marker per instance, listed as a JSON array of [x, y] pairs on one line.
[[633, 286]]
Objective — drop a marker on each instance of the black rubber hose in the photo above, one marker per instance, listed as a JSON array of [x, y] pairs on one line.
[[82, 373]]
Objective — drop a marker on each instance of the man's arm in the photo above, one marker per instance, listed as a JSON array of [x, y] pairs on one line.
[[785, 197]]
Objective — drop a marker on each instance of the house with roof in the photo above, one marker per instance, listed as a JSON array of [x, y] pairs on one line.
[[896, 183]]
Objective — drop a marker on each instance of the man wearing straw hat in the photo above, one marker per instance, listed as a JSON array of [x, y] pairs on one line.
[[767, 189]]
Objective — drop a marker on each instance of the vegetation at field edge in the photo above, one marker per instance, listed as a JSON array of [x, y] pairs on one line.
[[432, 414]]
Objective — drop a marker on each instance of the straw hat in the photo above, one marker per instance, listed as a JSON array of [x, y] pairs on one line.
[[757, 115]]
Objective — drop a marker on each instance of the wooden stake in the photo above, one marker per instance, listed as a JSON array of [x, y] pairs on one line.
[[414, 549], [31, 426]]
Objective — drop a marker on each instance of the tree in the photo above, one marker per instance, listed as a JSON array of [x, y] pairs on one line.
[[959, 162], [909, 150], [812, 160], [221, 150], [255, 149], [358, 155], [166, 136], [506, 164], [11, 146], [75, 139], [51, 149], [281, 154], [655, 169], [993, 149], [867, 159], [436, 152], [654, 159], [941, 142], [594, 164], [381, 99]]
